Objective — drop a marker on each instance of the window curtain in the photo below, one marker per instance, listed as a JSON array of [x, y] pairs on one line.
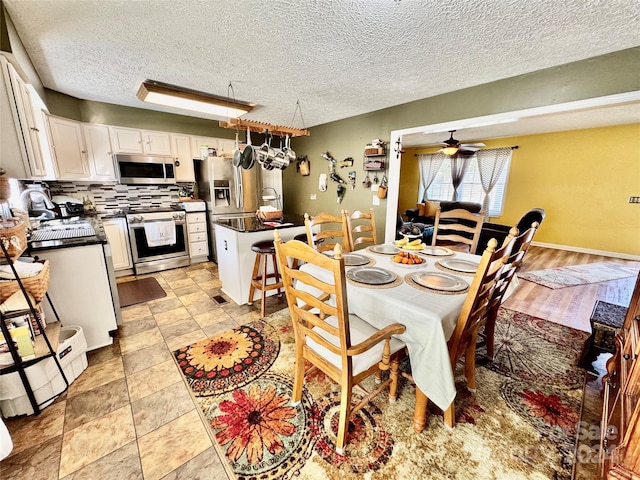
[[458, 169], [429, 166], [491, 162]]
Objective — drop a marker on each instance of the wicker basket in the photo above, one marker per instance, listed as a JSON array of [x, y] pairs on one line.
[[269, 216], [36, 285], [13, 234]]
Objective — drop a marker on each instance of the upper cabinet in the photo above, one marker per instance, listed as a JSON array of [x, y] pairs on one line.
[[68, 148], [99, 152], [181, 145], [143, 142], [203, 147], [80, 151], [23, 132]]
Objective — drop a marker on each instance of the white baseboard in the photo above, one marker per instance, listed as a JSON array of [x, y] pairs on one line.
[[624, 256]]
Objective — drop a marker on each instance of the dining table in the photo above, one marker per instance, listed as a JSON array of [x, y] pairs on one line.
[[426, 298]]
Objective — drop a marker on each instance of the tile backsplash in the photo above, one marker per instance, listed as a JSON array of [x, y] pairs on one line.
[[108, 198]]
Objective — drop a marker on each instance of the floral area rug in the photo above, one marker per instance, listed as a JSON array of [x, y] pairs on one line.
[[520, 423], [571, 276]]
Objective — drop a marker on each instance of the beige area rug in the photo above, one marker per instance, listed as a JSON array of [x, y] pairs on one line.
[[520, 424], [571, 276]]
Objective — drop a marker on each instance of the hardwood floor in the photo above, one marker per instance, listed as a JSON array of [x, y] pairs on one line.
[[570, 306]]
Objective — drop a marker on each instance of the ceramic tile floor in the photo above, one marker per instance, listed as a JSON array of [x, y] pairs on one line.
[[129, 414]]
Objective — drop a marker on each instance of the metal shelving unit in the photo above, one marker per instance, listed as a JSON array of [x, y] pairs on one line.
[[43, 344]]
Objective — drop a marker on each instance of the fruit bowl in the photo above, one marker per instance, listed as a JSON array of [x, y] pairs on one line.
[[406, 259]]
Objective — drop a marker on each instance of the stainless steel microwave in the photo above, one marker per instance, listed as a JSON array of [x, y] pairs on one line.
[[146, 170]]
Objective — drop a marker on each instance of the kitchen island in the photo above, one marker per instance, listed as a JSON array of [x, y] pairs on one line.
[[234, 237], [82, 287]]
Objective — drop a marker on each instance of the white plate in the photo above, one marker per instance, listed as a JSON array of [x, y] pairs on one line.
[[459, 265], [354, 259], [371, 275], [404, 265], [440, 281], [436, 251], [384, 249]]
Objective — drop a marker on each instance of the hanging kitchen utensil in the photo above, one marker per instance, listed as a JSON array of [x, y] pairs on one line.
[[382, 188], [290, 153], [237, 154], [375, 178], [248, 155], [303, 166], [341, 191], [366, 183]]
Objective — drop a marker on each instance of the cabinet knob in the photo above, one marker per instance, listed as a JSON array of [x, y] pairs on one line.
[[177, 162], [626, 356], [35, 129], [84, 151]]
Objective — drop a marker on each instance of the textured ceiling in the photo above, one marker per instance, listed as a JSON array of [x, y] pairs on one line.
[[338, 58]]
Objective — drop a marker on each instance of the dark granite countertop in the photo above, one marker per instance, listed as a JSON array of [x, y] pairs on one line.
[[254, 224], [99, 238]]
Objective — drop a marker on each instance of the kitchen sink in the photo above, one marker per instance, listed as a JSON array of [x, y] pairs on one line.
[[63, 230]]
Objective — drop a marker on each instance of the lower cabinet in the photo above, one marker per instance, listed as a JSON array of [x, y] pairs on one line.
[[235, 258], [118, 237], [198, 238], [80, 289]]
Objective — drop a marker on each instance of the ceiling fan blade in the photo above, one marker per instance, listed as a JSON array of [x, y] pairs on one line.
[[478, 144]]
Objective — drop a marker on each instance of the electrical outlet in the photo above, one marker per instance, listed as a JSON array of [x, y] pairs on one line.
[[634, 199], [313, 196]]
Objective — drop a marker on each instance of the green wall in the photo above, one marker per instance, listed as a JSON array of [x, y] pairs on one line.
[[601, 76]]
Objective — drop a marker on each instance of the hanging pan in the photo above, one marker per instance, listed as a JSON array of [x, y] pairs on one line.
[[237, 154], [248, 155]]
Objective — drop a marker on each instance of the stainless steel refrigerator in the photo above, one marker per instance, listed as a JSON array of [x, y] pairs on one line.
[[228, 191]]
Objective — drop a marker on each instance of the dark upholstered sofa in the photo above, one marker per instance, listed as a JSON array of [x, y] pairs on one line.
[[425, 213]]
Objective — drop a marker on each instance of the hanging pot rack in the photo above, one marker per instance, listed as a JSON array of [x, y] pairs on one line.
[[262, 127]]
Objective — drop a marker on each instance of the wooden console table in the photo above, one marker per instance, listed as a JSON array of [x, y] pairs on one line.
[[620, 426]]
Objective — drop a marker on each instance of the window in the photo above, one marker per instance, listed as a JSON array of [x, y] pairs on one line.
[[471, 189]]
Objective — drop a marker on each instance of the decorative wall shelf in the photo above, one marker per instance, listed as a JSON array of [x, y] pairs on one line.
[[262, 127]]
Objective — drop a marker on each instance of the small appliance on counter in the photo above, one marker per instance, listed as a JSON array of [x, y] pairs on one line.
[[67, 206]]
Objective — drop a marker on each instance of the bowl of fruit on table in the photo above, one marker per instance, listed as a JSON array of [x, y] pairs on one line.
[[408, 259]]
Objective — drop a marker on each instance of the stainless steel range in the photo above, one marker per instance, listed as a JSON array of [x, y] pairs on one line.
[[158, 240]]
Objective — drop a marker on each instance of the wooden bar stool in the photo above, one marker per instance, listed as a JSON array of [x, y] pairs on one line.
[[264, 249]]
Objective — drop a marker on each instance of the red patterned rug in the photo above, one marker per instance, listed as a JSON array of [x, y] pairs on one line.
[[520, 423]]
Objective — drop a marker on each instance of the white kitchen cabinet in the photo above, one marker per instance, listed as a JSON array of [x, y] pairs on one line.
[[156, 143], [226, 146], [118, 236], [81, 292], [143, 142], [197, 235], [235, 258], [200, 144], [23, 132], [68, 148], [99, 152], [181, 145], [126, 140]]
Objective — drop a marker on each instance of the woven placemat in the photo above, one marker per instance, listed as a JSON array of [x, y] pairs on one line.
[[414, 284], [451, 270], [395, 283]]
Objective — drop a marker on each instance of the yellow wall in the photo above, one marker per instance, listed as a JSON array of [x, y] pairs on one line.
[[582, 178]]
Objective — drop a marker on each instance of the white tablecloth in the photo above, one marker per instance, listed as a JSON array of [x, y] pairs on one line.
[[429, 318]]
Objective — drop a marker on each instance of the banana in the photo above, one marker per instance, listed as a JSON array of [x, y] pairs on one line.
[[417, 241], [419, 246], [401, 242]]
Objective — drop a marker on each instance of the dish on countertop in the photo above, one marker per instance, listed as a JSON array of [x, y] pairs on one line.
[[371, 275], [440, 281], [458, 265], [384, 249]]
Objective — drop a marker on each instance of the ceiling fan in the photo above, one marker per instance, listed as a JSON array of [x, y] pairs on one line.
[[451, 146]]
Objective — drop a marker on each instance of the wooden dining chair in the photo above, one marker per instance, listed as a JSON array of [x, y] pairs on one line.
[[362, 229], [519, 247], [458, 229], [473, 315], [325, 230], [345, 347]]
